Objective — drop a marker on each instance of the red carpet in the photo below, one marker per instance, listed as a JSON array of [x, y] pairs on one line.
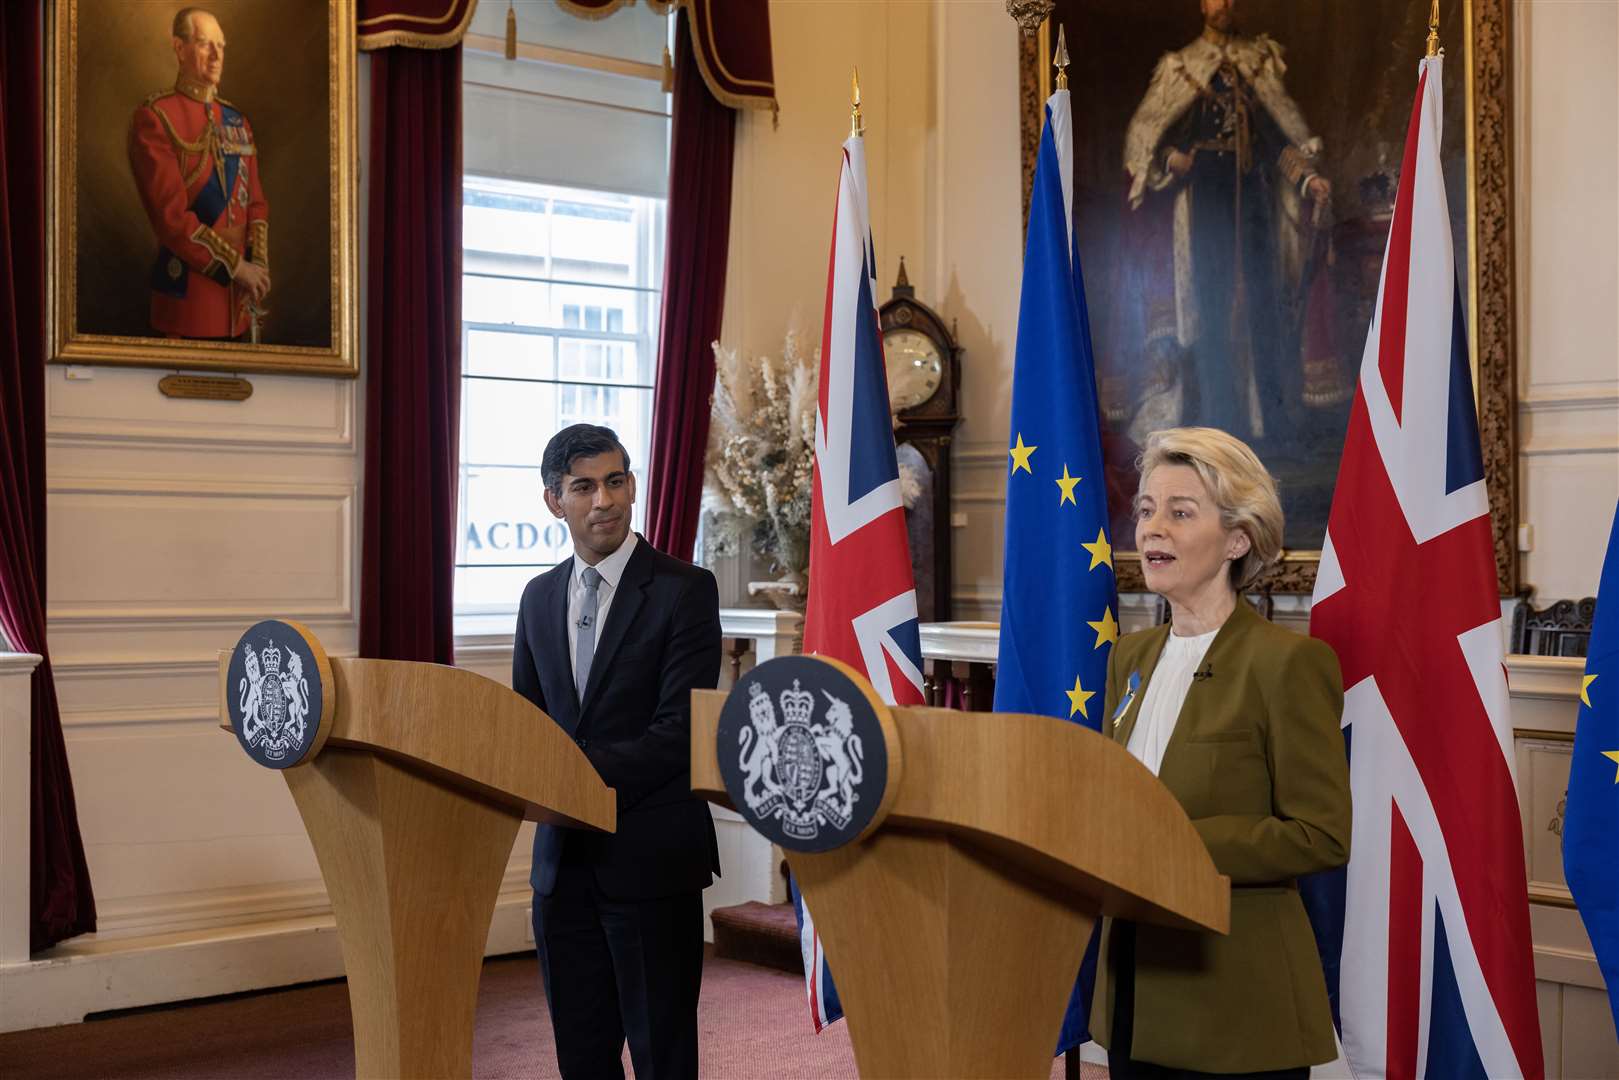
[[754, 1024]]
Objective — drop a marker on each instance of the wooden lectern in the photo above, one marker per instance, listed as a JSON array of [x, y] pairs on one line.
[[955, 926], [413, 804]]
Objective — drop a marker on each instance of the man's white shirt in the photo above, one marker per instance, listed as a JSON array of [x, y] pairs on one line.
[[611, 570]]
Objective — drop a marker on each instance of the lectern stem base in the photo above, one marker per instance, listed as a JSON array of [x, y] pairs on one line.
[[414, 868], [949, 961]]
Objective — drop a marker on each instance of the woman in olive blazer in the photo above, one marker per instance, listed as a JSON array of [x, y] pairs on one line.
[[1243, 727]]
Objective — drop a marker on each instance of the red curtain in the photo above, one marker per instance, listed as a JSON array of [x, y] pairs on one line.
[[731, 39], [62, 903], [693, 300], [417, 24], [413, 355]]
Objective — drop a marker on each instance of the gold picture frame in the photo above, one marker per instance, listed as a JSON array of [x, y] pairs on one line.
[[1483, 31], [290, 70]]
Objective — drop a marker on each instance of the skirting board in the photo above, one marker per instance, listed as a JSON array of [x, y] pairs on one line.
[[129, 972]]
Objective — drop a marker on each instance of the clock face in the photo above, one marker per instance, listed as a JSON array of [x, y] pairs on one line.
[[915, 368]]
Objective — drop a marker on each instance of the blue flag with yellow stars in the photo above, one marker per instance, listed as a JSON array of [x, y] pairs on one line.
[[1591, 817], [1059, 607]]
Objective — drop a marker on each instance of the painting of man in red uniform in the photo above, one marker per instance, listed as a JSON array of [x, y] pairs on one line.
[[195, 165], [178, 128]]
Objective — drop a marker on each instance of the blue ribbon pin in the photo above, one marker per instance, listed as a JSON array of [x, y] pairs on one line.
[[1129, 696]]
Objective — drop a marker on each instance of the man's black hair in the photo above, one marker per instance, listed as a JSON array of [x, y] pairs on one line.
[[572, 443]]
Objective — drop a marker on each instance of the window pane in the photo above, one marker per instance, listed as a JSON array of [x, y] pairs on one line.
[[491, 588], [605, 361], [625, 410], [506, 423], [514, 356], [504, 223], [576, 276], [507, 537], [595, 241], [504, 301], [505, 521], [601, 307]]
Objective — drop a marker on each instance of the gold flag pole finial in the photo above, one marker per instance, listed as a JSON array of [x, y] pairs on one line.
[[1433, 30], [1060, 59], [856, 128]]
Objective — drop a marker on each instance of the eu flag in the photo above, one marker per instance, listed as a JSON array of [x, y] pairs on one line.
[[1591, 817], [1059, 604]]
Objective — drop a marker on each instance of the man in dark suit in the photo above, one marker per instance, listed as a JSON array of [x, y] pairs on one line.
[[610, 643]]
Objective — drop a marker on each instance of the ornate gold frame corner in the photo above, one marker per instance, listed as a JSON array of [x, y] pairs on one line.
[[65, 345], [1493, 330]]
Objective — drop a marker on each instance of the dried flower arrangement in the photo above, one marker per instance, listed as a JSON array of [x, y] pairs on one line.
[[761, 455]]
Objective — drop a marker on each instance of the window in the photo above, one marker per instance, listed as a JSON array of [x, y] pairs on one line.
[[561, 292]]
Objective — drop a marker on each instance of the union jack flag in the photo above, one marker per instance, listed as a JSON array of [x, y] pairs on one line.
[[1425, 934], [862, 595]]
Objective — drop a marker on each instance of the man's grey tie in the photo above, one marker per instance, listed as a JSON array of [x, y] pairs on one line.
[[585, 648]]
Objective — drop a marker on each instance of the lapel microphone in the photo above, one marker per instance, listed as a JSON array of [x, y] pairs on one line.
[[584, 621], [1207, 672]]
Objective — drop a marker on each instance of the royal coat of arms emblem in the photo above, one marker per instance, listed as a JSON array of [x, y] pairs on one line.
[[800, 770], [277, 689], [804, 750], [274, 703]]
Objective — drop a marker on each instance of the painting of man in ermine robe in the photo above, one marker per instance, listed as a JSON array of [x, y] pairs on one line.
[[1235, 164], [1224, 173]]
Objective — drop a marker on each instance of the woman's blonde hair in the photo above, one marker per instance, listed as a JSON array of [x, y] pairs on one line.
[[1242, 488]]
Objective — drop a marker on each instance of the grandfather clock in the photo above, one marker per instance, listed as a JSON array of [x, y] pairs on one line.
[[924, 381]]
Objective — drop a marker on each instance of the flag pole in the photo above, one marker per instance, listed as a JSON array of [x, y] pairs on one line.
[[1059, 59], [1433, 31], [856, 127]]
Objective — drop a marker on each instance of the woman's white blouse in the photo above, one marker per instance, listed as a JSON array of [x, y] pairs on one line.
[[1166, 693]]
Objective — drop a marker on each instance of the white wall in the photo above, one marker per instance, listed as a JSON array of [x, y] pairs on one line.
[[939, 91], [1566, 151], [173, 524], [981, 232], [785, 177]]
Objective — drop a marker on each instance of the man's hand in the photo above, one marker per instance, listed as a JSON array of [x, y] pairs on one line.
[[1178, 162], [1319, 189], [254, 278]]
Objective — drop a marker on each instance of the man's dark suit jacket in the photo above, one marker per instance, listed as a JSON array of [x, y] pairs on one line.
[[661, 640]]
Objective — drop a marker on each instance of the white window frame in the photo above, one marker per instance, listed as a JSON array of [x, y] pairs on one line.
[[495, 621]]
